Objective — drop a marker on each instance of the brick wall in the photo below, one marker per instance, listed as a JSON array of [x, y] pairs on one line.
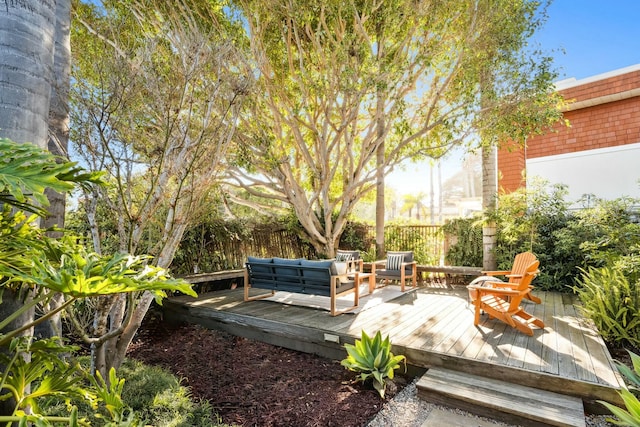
[[511, 164], [610, 123]]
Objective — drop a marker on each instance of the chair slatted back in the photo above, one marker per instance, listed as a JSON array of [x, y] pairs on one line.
[[530, 272], [520, 264]]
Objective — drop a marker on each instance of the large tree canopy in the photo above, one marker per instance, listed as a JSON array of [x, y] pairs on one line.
[[338, 80]]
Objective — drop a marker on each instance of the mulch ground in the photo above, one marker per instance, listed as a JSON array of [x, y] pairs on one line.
[[250, 383]]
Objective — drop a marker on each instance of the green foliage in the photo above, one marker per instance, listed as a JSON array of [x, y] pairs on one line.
[[402, 238], [110, 393], [45, 360], [81, 274], [538, 219], [612, 302], [154, 395], [215, 244], [630, 416], [55, 377], [36, 266], [26, 170], [356, 237], [157, 396], [210, 245], [465, 235], [529, 220], [373, 359]]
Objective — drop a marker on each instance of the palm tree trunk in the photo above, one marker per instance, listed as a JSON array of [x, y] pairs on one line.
[[58, 142], [27, 31]]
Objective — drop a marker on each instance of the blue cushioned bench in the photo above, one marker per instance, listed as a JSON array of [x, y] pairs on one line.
[[300, 276]]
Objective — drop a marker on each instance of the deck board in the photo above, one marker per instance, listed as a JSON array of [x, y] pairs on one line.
[[432, 326], [550, 338]]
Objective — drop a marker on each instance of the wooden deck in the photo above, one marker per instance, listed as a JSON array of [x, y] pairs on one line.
[[432, 326]]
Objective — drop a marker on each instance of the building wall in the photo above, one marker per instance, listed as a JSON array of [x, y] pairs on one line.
[[511, 168], [604, 114]]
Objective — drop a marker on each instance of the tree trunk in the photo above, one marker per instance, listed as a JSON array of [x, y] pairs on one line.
[[58, 143], [380, 137], [380, 202], [26, 67], [59, 106], [432, 206], [26, 62], [489, 203]]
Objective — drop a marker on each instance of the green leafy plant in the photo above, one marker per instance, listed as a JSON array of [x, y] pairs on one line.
[[464, 236], [372, 357], [33, 267], [153, 394], [630, 416], [53, 377], [612, 302]]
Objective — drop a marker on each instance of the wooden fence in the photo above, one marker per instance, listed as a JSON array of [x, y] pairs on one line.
[[426, 241], [227, 251]]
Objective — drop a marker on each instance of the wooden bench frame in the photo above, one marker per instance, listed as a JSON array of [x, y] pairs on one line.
[[304, 279]]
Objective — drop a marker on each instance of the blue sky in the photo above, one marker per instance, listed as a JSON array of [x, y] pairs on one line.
[[597, 36], [585, 37]]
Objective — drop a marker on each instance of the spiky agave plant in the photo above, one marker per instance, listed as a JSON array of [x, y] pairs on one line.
[[372, 358]]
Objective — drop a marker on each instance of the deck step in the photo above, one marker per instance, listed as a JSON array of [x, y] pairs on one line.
[[496, 399]]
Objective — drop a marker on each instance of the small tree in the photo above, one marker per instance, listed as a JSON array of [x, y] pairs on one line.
[[158, 89]]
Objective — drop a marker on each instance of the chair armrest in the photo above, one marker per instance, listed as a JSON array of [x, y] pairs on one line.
[[377, 264], [492, 290], [496, 273], [413, 265], [355, 265]]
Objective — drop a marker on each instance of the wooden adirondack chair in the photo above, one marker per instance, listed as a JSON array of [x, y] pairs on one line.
[[501, 300], [520, 264]]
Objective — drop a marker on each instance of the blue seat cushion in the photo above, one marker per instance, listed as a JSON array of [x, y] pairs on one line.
[[319, 275]]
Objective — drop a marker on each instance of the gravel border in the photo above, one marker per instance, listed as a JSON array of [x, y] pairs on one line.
[[406, 409]]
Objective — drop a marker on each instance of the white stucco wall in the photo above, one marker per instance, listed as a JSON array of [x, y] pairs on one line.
[[607, 173]]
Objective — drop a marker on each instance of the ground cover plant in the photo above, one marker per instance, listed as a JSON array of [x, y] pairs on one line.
[[153, 395]]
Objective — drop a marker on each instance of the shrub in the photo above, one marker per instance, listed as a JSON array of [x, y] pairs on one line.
[[528, 220], [566, 242], [355, 236], [466, 245], [156, 397], [613, 303]]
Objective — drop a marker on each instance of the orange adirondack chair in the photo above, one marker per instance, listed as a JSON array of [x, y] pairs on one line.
[[520, 264], [501, 300]]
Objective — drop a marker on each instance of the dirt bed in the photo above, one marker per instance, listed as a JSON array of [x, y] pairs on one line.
[[250, 383]]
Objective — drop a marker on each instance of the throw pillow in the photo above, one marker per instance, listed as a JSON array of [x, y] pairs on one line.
[[343, 257], [394, 261]]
